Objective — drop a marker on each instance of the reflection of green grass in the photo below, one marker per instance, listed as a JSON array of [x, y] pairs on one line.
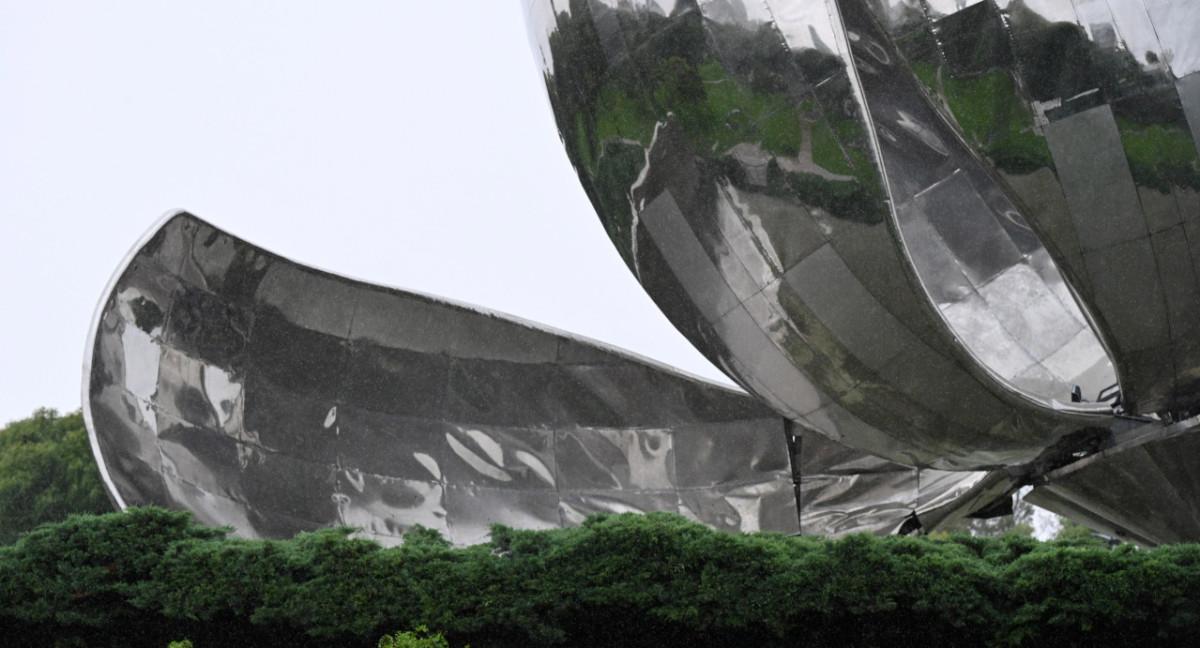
[[582, 146], [850, 200], [993, 117], [1023, 152], [983, 104], [826, 152], [726, 114], [781, 132], [738, 115], [828, 155], [620, 116], [1160, 156], [926, 73], [717, 111]]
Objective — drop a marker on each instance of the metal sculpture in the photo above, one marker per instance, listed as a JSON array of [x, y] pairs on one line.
[[276, 398], [951, 233], [947, 244]]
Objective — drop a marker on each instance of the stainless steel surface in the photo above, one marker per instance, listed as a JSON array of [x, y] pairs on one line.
[[1147, 491], [797, 202], [909, 228], [275, 398], [842, 490], [1085, 114]]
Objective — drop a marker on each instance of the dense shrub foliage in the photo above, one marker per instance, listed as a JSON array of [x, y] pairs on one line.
[[420, 638], [46, 473], [148, 576]]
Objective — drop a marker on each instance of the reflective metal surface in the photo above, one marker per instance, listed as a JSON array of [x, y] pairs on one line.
[[275, 398], [946, 245], [794, 200], [841, 490], [1086, 113], [1147, 492]]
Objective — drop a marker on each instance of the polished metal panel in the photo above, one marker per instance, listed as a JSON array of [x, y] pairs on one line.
[[1083, 113], [778, 178], [948, 246], [1147, 492], [841, 490], [274, 398]]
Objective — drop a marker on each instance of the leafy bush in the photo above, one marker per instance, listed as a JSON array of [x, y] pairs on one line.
[[46, 473], [420, 638], [147, 576]]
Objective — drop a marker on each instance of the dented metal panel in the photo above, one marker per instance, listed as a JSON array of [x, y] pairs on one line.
[[781, 184], [275, 398]]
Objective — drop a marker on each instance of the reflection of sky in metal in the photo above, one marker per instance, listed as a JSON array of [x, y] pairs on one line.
[[1121, 23], [1177, 22], [661, 7], [1051, 10], [1005, 300], [539, 26], [1165, 28], [1136, 29], [267, 396], [1012, 310], [805, 25], [806, 300], [939, 8], [1120, 233], [1057, 119]]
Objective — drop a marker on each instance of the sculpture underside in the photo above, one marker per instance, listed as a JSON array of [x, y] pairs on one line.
[[275, 398], [1146, 492]]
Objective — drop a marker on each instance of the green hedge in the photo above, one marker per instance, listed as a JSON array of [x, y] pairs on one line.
[[46, 473], [147, 576]]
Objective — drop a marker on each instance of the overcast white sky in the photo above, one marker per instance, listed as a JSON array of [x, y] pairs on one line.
[[403, 142]]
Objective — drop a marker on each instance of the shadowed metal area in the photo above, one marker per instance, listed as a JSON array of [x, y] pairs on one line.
[[841, 490], [274, 398], [792, 198], [1147, 492], [1085, 112]]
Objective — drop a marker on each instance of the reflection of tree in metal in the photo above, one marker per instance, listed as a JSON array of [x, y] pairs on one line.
[[939, 232], [930, 236], [1085, 119], [275, 398], [753, 207]]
